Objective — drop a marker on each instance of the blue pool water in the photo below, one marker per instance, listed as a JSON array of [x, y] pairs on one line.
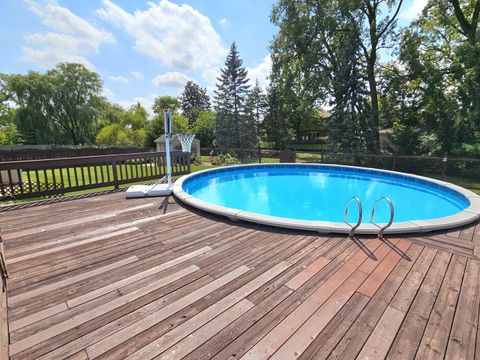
[[320, 193]]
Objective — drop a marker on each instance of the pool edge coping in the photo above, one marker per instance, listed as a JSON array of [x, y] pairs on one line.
[[466, 216]]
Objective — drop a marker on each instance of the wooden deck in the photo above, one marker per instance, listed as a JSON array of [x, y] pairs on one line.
[[107, 278]]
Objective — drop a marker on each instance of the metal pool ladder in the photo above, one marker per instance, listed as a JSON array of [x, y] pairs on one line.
[[392, 214], [347, 206]]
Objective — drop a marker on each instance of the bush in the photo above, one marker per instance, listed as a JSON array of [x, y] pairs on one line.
[[223, 159], [195, 159]]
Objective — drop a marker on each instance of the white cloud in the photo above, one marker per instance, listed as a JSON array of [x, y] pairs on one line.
[[224, 22], [119, 78], [146, 102], [171, 80], [70, 37], [176, 35], [414, 9], [108, 93], [137, 75], [261, 72]]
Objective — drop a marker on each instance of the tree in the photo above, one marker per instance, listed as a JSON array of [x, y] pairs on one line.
[[378, 33], [114, 135], [308, 50], [277, 128], [256, 109], [136, 117], [154, 129], [204, 128], [436, 78], [56, 107], [165, 102], [230, 96], [71, 102], [194, 101], [347, 124], [30, 94], [9, 134], [180, 124]]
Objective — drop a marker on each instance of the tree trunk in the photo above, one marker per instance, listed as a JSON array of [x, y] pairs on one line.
[[373, 137]]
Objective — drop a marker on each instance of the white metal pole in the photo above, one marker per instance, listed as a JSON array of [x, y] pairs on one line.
[[167, 118]]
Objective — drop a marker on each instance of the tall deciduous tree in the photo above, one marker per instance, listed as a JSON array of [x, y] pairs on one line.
[[230, 96], [194, 100], [71, 103], [55, 107], [308, 52]]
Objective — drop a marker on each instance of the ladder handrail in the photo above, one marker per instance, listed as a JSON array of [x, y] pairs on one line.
[[392, 214], [360, 214]]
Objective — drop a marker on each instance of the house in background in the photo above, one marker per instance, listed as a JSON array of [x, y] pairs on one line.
[[385, 139], [318, 131]]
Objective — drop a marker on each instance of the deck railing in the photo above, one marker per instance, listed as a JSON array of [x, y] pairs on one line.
[[64, 152], [40, 178]]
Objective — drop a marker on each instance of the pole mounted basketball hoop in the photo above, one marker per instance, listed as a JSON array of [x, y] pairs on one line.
[[186, 139], [158, 189]]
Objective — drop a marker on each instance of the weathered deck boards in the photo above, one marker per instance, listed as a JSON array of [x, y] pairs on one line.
[[107, 278]]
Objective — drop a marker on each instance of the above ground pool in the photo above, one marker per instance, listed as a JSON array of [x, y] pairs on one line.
[[314, 197]]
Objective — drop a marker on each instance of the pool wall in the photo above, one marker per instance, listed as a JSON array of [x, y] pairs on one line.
[[468, 215]]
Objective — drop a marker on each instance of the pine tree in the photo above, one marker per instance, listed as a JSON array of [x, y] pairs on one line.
[[276, 125], [194, 101], [230, 97], [256, 109], [347, 127]]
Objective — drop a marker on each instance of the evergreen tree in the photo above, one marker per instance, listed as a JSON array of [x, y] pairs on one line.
[[276, 125], [256, 109], [230, 97], [348, 127], [194, 101]]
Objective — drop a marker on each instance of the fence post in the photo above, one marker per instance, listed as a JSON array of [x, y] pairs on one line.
[[444, 166], [115, 175], [321, 155], [394, 165]]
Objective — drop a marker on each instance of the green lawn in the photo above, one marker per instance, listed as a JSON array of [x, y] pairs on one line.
[[473, 185]]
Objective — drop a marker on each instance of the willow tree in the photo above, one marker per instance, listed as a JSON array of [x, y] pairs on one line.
[[55, 107]]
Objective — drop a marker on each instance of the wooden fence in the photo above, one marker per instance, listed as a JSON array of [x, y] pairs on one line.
[[63, 152], [50, 177]]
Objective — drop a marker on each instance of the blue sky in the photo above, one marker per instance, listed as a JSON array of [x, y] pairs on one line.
[[141, 49]]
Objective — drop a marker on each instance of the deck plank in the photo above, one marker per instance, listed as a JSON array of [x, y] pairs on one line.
[[105, 278]]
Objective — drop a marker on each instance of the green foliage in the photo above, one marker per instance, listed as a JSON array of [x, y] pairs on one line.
[[276, 124], [223, 159], [165, 102], [230, 97], [204, 128], [155, 128], [194, 101], [111, 135], [433, 92], [55, 107], [256, 107], [9, 134], [327, 51], [180, 124]]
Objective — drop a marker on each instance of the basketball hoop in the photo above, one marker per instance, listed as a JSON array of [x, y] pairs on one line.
[[186, 139]]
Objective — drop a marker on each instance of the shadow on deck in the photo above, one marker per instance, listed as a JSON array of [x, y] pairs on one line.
[[103, 277]]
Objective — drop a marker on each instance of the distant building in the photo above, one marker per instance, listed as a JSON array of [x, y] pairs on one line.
[[385, 138], [318, 131], [176, 145]]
